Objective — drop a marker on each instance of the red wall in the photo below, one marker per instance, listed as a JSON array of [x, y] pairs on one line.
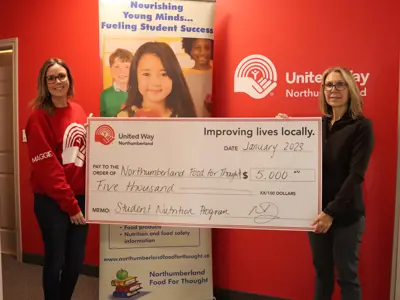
[[293, 34], [69, 31], [301, 36]]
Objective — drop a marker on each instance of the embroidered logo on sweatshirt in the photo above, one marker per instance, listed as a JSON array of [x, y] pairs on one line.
[[74, 145], [104, 134]]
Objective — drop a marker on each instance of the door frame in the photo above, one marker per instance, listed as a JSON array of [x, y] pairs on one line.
[[395, 278], [12, 43]]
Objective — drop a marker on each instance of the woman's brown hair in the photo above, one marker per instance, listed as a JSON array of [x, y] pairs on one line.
[[355, 101], [179, 100], [43, 97]]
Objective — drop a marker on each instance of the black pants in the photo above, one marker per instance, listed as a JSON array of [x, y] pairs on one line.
[[339, 248], [64, 247]]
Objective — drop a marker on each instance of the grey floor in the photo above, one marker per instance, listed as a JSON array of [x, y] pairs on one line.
[[23, 282]]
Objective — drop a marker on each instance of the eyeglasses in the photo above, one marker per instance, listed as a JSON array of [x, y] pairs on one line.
[[340, 85], [53, 78]]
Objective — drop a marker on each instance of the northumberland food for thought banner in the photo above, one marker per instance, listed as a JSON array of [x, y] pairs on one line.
[[181, 30], [157, 59]]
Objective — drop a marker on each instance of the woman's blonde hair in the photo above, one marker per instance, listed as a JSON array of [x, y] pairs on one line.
[[355, 100], [43, 97]]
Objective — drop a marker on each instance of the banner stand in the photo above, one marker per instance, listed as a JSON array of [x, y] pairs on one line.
[[140, 262]]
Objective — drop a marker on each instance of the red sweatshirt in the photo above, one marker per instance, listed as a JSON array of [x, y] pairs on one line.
[[57, 150]]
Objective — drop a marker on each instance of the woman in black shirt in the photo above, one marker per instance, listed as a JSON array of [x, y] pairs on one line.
[[348, 142]]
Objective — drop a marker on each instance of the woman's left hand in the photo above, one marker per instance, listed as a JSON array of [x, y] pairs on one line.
[[323, 222]]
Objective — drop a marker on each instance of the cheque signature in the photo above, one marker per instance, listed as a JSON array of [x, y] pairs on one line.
[[264, 212]]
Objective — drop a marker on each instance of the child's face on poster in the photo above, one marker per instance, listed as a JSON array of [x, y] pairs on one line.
[[201, 51], [120, 71], [153, 81]]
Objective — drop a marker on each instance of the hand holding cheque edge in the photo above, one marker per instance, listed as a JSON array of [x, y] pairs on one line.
[[323, 221], [78, 219], [86, 124]]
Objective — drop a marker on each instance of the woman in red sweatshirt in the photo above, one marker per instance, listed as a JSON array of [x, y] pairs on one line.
[[56, 137]]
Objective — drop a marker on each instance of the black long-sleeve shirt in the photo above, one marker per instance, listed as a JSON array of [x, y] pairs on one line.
[[346, 153]]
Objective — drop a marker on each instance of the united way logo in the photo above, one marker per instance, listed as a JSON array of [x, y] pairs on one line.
[[255, 76], [74, 145], [104, 134]]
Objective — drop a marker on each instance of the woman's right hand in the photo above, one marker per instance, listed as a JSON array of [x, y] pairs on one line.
[[281, 116], [78, 219], [86, 124]]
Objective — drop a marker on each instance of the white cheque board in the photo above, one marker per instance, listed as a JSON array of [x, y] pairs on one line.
[[241, 173]]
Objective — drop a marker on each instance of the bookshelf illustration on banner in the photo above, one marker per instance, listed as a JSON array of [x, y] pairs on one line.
[[126, 286]]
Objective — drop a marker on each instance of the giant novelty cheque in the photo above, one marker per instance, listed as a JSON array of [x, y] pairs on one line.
[[254, 173]]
